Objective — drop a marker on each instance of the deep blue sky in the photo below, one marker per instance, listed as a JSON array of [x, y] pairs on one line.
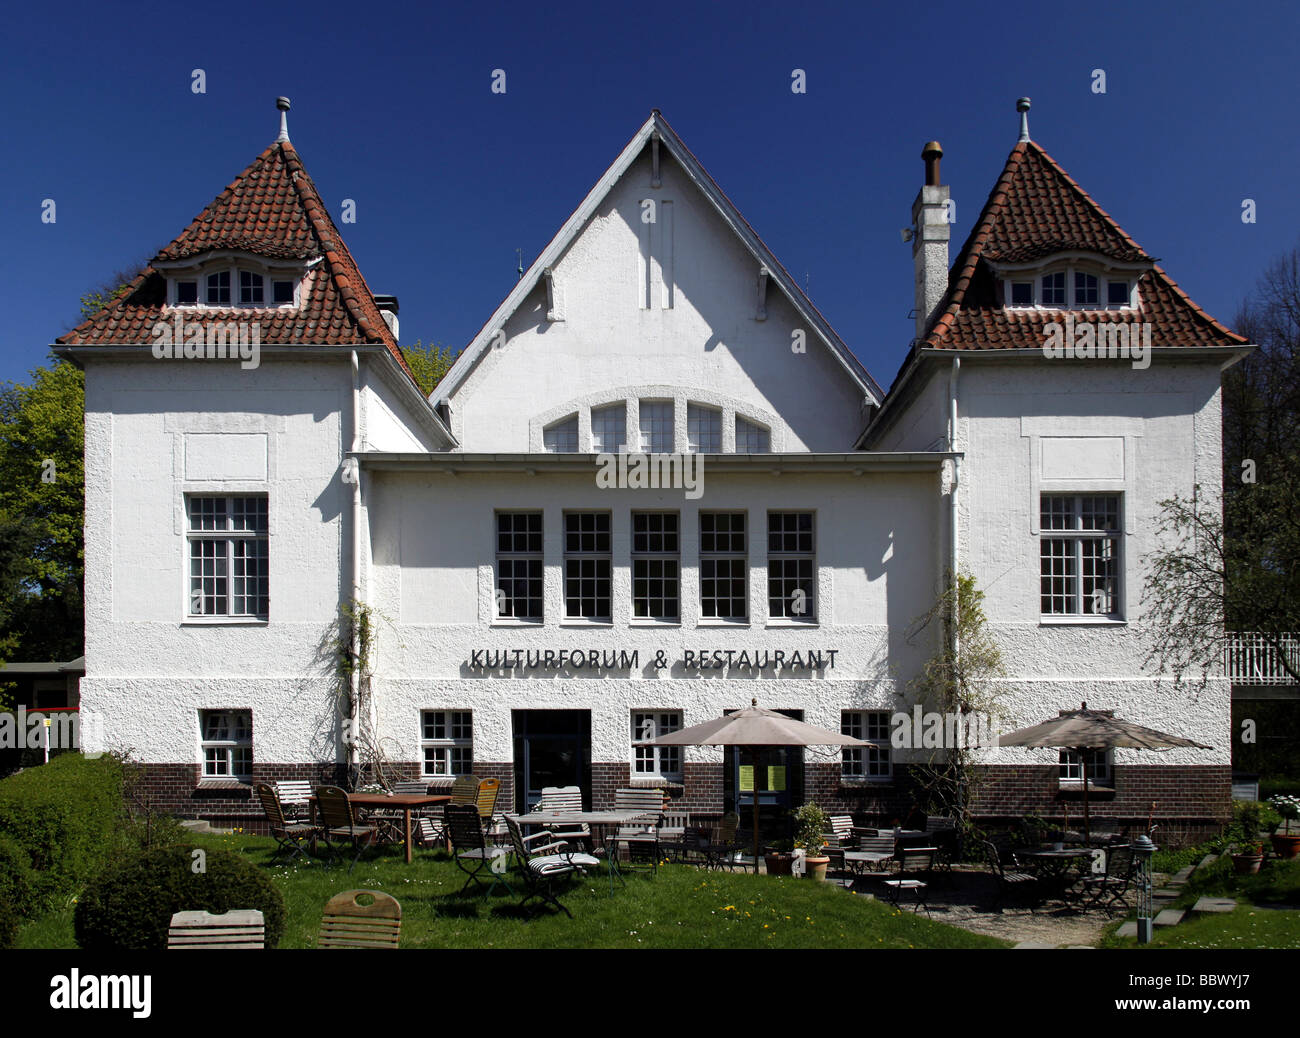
[[392, 107]]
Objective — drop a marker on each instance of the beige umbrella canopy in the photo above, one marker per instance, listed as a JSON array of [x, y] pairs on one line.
[[1086, 729], [755, 727]]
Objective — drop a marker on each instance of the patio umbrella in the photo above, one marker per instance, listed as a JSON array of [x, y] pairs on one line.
[[1085, 729], [756, 728]]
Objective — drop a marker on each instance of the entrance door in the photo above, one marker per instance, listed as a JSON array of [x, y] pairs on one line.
[[777, 781], [552, 748]]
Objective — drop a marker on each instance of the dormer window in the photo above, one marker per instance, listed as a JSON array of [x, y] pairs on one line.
[[1022, 293], [250, 288], [282, 291], [1085, 289], [187, 293], [1118, 293], [1054, 289], [219, 288]]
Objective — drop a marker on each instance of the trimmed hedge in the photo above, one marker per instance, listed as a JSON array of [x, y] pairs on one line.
[[15, 887], [67, 817], [130, 905]]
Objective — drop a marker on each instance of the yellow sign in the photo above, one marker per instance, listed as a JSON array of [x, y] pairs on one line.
[[747, 778], [776, 778]]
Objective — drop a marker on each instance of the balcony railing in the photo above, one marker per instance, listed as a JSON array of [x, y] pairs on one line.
[[1249, 660]]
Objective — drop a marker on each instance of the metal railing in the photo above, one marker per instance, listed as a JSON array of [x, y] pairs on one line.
[[1249, 660]]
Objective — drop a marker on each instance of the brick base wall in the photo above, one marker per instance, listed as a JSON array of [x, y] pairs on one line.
[[1190, 801]]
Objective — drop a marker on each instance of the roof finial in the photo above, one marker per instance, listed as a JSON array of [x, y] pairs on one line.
[[282, 103], [1022, 106]]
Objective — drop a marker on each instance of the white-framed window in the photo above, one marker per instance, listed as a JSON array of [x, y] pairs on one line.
[[251, 288], [587, 566], [219, 288], [657, 427], [704, 429], [1053, 288], [1119, 293], [724, 566], [609, 429], [1086, 292], [791, 566], [1022, 293], [655, 761], [1074, 287], [233, 287], [752, 438], [226, 739], [1079, 555], [562, 437], [446, 743], [866, 762], [187, 293], [228, 549], [656, 566], [1099, 766], [519, 566]]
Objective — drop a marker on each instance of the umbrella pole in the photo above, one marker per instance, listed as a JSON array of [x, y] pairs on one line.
[[754, 795], [1087, 824]]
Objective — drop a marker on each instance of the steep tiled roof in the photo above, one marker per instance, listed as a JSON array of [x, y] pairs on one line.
[[271, 209], [1036, 210]]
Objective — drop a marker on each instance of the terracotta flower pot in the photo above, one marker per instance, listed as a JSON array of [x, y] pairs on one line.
[[1286, 845], [1246, 864], [816, 868], [779, 864]]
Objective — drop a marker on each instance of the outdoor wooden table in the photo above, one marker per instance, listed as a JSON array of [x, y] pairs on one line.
[[406, 801]]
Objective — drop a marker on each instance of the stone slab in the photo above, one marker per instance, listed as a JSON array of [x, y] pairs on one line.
[[1215, 904], [1169, 917], [1034, 944], [1129, 929], [1181, 876]]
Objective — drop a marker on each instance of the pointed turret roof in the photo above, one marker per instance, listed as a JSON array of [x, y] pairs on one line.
[[1036, 210], [272, 209]]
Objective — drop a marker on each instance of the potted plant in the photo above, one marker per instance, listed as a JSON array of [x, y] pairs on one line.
[[779, 859], [1248, 858], [810, 828], [1285, 843]]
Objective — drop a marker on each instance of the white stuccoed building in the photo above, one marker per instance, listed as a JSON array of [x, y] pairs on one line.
[[534, 623]]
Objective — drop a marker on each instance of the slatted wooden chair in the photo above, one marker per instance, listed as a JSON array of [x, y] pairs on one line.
[[672, 832], [1012, 880], [471, 848], [287, 835], [543, 865], [874, 853], [432, 830], [488, 791], [239, 928], [348, 923], [341, 822], [561, 800], [295, 797], [913, 862], [840, 837]]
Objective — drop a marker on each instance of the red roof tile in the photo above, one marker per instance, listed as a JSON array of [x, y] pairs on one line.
[[1036, 210], [271, 209]]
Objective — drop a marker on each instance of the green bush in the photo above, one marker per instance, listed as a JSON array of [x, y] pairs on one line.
[[15, 887], [1251, 817], [67, 816], [131, 903]]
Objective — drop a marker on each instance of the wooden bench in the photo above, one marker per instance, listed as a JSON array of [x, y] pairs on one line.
[[239, 928]]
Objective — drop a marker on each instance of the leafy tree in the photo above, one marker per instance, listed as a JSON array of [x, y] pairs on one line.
[[42, 497], [429, 363], [101, 296]]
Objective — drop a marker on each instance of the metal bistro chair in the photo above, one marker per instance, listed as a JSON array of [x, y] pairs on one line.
[[1011, 879], [287, 835], [912, 861], [721, 852], [640, 837], [1109, 891], [347, 923], [839, 838], [471, 850], [540, 868], [341, 822]]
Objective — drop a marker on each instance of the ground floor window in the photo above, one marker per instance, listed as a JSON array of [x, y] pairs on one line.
[[655, 761], [227, 743], [1099, 766], [866, 762], [447, 742]]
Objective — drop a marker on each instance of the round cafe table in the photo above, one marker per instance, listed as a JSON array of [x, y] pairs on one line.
[[1055, 868]]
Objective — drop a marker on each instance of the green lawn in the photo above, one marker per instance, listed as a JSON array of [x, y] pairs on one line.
[[681, 907]]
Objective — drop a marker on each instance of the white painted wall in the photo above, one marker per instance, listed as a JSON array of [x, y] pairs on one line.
[[608, 345]]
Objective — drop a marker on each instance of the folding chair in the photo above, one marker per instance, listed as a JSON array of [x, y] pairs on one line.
[[347, 923], [471, 850], [912, 861], [340, 821], [287, 835], [295, 797], [433, 830], [540, 869]]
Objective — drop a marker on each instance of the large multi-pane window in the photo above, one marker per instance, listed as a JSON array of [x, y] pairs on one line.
[[866, 762], [791, 566], [228, 556], [658, 761], [657, 427], [609, 429], [704, 429], [562, 437], [752, 438], [447, 742], [1099, 762], [656, 566], [519, 565], [1079, 555], [1054, 289], [724, 562], [587, 566], [227, 743]]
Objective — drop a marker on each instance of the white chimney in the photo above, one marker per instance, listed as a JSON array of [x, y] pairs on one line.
[[930, 241], [388, 311]]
